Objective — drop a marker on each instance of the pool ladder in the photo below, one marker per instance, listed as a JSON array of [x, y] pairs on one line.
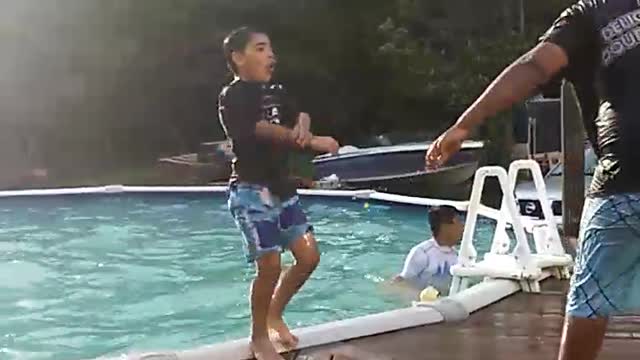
[[509, 259]]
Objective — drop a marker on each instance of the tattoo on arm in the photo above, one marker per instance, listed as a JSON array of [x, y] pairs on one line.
[[529, 60]]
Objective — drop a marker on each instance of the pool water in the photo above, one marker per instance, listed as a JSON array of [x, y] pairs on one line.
[[87, 276]]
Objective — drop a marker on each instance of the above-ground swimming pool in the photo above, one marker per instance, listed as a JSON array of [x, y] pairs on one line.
[[90, 275]]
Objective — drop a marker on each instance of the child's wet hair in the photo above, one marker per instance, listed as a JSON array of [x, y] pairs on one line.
[[439, 215], [237, 40]]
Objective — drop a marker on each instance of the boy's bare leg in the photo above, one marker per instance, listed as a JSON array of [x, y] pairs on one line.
[[261, 292], [582, 338], [305, 251]]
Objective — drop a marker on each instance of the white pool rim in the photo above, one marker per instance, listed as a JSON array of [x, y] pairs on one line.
[[469, 300], [120, 189]]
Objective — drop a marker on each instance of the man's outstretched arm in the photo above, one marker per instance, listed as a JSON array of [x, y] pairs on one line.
[[518, 81]]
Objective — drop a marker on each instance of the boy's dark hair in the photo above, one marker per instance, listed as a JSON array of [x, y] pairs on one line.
[[439, 215], [237, 40]]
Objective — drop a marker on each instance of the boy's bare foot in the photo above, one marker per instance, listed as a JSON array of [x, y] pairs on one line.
[[263, 349], [280, 332]]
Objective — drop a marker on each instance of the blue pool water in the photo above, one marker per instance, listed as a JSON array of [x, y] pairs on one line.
[[86, 276]]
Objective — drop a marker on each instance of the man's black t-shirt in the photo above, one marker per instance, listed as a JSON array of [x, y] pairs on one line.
[[602, 41], [241, 105]]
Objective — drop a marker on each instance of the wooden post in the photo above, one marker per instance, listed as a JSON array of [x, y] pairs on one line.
[[573, 141]]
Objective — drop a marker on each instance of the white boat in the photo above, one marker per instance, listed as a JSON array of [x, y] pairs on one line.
[[399, 169]]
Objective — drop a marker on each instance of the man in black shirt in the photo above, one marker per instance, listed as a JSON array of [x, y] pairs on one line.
[[595, 44], [264, 126]]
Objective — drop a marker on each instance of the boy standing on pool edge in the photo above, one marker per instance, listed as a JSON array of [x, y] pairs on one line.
[[264, 126]]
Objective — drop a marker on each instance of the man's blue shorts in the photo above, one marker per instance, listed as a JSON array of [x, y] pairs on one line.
[[606, 278], [267, 222]]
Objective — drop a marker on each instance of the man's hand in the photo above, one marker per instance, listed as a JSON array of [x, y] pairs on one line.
[[325, 144], [518, 81], [445, 146], [301, 131]]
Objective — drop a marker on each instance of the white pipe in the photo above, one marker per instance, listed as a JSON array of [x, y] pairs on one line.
[[163, 189], [489, 292], [312, 336], [49, 192], [472, 299], [114, 189], [362, 194], [111, 189], [402, 199]]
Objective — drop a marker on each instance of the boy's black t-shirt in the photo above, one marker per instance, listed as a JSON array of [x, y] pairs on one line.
[[602, 40], [241, 105]]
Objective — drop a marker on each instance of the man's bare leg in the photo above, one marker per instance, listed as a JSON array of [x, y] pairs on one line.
[[582, 338], [305, 251], [261, 292]]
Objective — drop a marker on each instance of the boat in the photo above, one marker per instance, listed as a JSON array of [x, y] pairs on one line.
[[400, 169]]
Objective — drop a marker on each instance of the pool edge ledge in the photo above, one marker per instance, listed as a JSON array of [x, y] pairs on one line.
[[363, 194], [471, 300]]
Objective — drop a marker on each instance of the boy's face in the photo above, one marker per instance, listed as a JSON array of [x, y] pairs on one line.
[[457, 228], [257, 61], [452, 231]]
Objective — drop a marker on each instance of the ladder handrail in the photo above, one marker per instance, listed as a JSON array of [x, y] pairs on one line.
[[509, 214]]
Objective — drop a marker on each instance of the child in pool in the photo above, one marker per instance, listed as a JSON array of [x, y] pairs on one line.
[[428, 264]]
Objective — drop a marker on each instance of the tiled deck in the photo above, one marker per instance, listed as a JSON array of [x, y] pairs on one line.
[[523, 327]]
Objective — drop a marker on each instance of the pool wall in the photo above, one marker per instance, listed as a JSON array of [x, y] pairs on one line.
[[455, 307], [468, 301], [123, 189]]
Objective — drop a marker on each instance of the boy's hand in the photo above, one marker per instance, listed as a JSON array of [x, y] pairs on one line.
[[301, 131], [325, 144]]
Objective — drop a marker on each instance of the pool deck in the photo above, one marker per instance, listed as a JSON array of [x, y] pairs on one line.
[[523, 326]]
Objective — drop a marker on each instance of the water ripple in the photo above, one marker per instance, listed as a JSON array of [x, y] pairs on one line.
[[86, 277]]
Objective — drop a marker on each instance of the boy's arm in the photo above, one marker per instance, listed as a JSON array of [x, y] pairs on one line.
[[276, 134], [403, 284], [241, 110], [413, 266], [301, 124], [302, 129], [304, 121], [283, 136], [244, 121]]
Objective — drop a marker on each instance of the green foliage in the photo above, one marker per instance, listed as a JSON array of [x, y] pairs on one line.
[[110, 84]]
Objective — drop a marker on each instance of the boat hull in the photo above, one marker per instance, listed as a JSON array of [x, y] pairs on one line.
[[400, 170], [450, 182]]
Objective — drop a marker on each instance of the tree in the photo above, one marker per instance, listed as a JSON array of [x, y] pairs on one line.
[[93, 86]]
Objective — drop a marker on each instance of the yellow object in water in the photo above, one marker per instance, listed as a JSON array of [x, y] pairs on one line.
[[429, 294], [366, 205]]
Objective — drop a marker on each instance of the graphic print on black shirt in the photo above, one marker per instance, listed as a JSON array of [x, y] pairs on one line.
[[602, 41], [240, 106]]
